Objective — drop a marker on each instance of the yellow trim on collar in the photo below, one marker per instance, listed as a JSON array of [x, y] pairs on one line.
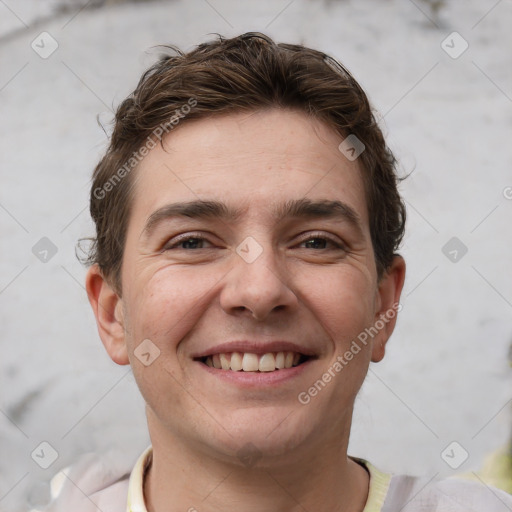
[[136, 502], [379, 485]]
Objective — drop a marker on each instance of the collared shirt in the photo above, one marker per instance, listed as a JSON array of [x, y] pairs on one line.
[[97, 485]]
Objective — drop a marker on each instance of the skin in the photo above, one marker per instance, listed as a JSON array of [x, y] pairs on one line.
[[197, 294]]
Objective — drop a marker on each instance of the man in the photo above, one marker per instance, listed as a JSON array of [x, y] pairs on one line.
[[247, 221]]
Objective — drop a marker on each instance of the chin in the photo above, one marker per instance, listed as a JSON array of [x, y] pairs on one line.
[[262, 436]]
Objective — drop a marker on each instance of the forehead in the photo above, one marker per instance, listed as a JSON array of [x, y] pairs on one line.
[[260, 159]]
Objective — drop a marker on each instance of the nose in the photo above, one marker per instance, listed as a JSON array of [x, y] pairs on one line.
[[261, 286]]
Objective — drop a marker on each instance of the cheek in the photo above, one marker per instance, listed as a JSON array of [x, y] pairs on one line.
[[343, 301], [163, 308], [167, 306]]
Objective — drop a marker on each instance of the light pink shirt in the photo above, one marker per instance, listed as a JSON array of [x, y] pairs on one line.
[[97, 485]]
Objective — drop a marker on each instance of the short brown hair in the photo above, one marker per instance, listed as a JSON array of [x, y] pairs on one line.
[[245, 73]]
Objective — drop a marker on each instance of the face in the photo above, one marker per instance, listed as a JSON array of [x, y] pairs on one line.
[[248, 245]]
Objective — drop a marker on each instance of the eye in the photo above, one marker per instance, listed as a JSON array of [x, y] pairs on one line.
[[321, 241], [188, 241]]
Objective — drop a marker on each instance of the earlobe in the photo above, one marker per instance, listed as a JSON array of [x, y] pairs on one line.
[[108, 310], [389, 292]]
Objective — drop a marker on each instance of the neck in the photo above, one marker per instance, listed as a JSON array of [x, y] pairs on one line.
[[322, 478]]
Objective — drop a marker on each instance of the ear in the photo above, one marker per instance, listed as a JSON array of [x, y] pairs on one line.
[[388, 300], [108, 310]]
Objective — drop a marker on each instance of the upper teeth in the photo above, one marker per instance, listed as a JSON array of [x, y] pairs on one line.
[[249, 362]]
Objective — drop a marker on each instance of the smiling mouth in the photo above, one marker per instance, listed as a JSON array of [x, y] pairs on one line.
[[250, 362]]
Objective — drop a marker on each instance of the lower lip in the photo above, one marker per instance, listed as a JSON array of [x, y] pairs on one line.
[[257, 379]]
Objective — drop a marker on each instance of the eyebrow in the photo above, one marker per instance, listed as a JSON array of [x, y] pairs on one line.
[[295, 208]]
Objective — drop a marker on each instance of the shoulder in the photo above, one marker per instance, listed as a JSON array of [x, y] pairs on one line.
[[446, 495], [93, 482], [454, 494]]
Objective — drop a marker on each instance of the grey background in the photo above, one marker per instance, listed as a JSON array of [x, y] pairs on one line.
[[445, 377]]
